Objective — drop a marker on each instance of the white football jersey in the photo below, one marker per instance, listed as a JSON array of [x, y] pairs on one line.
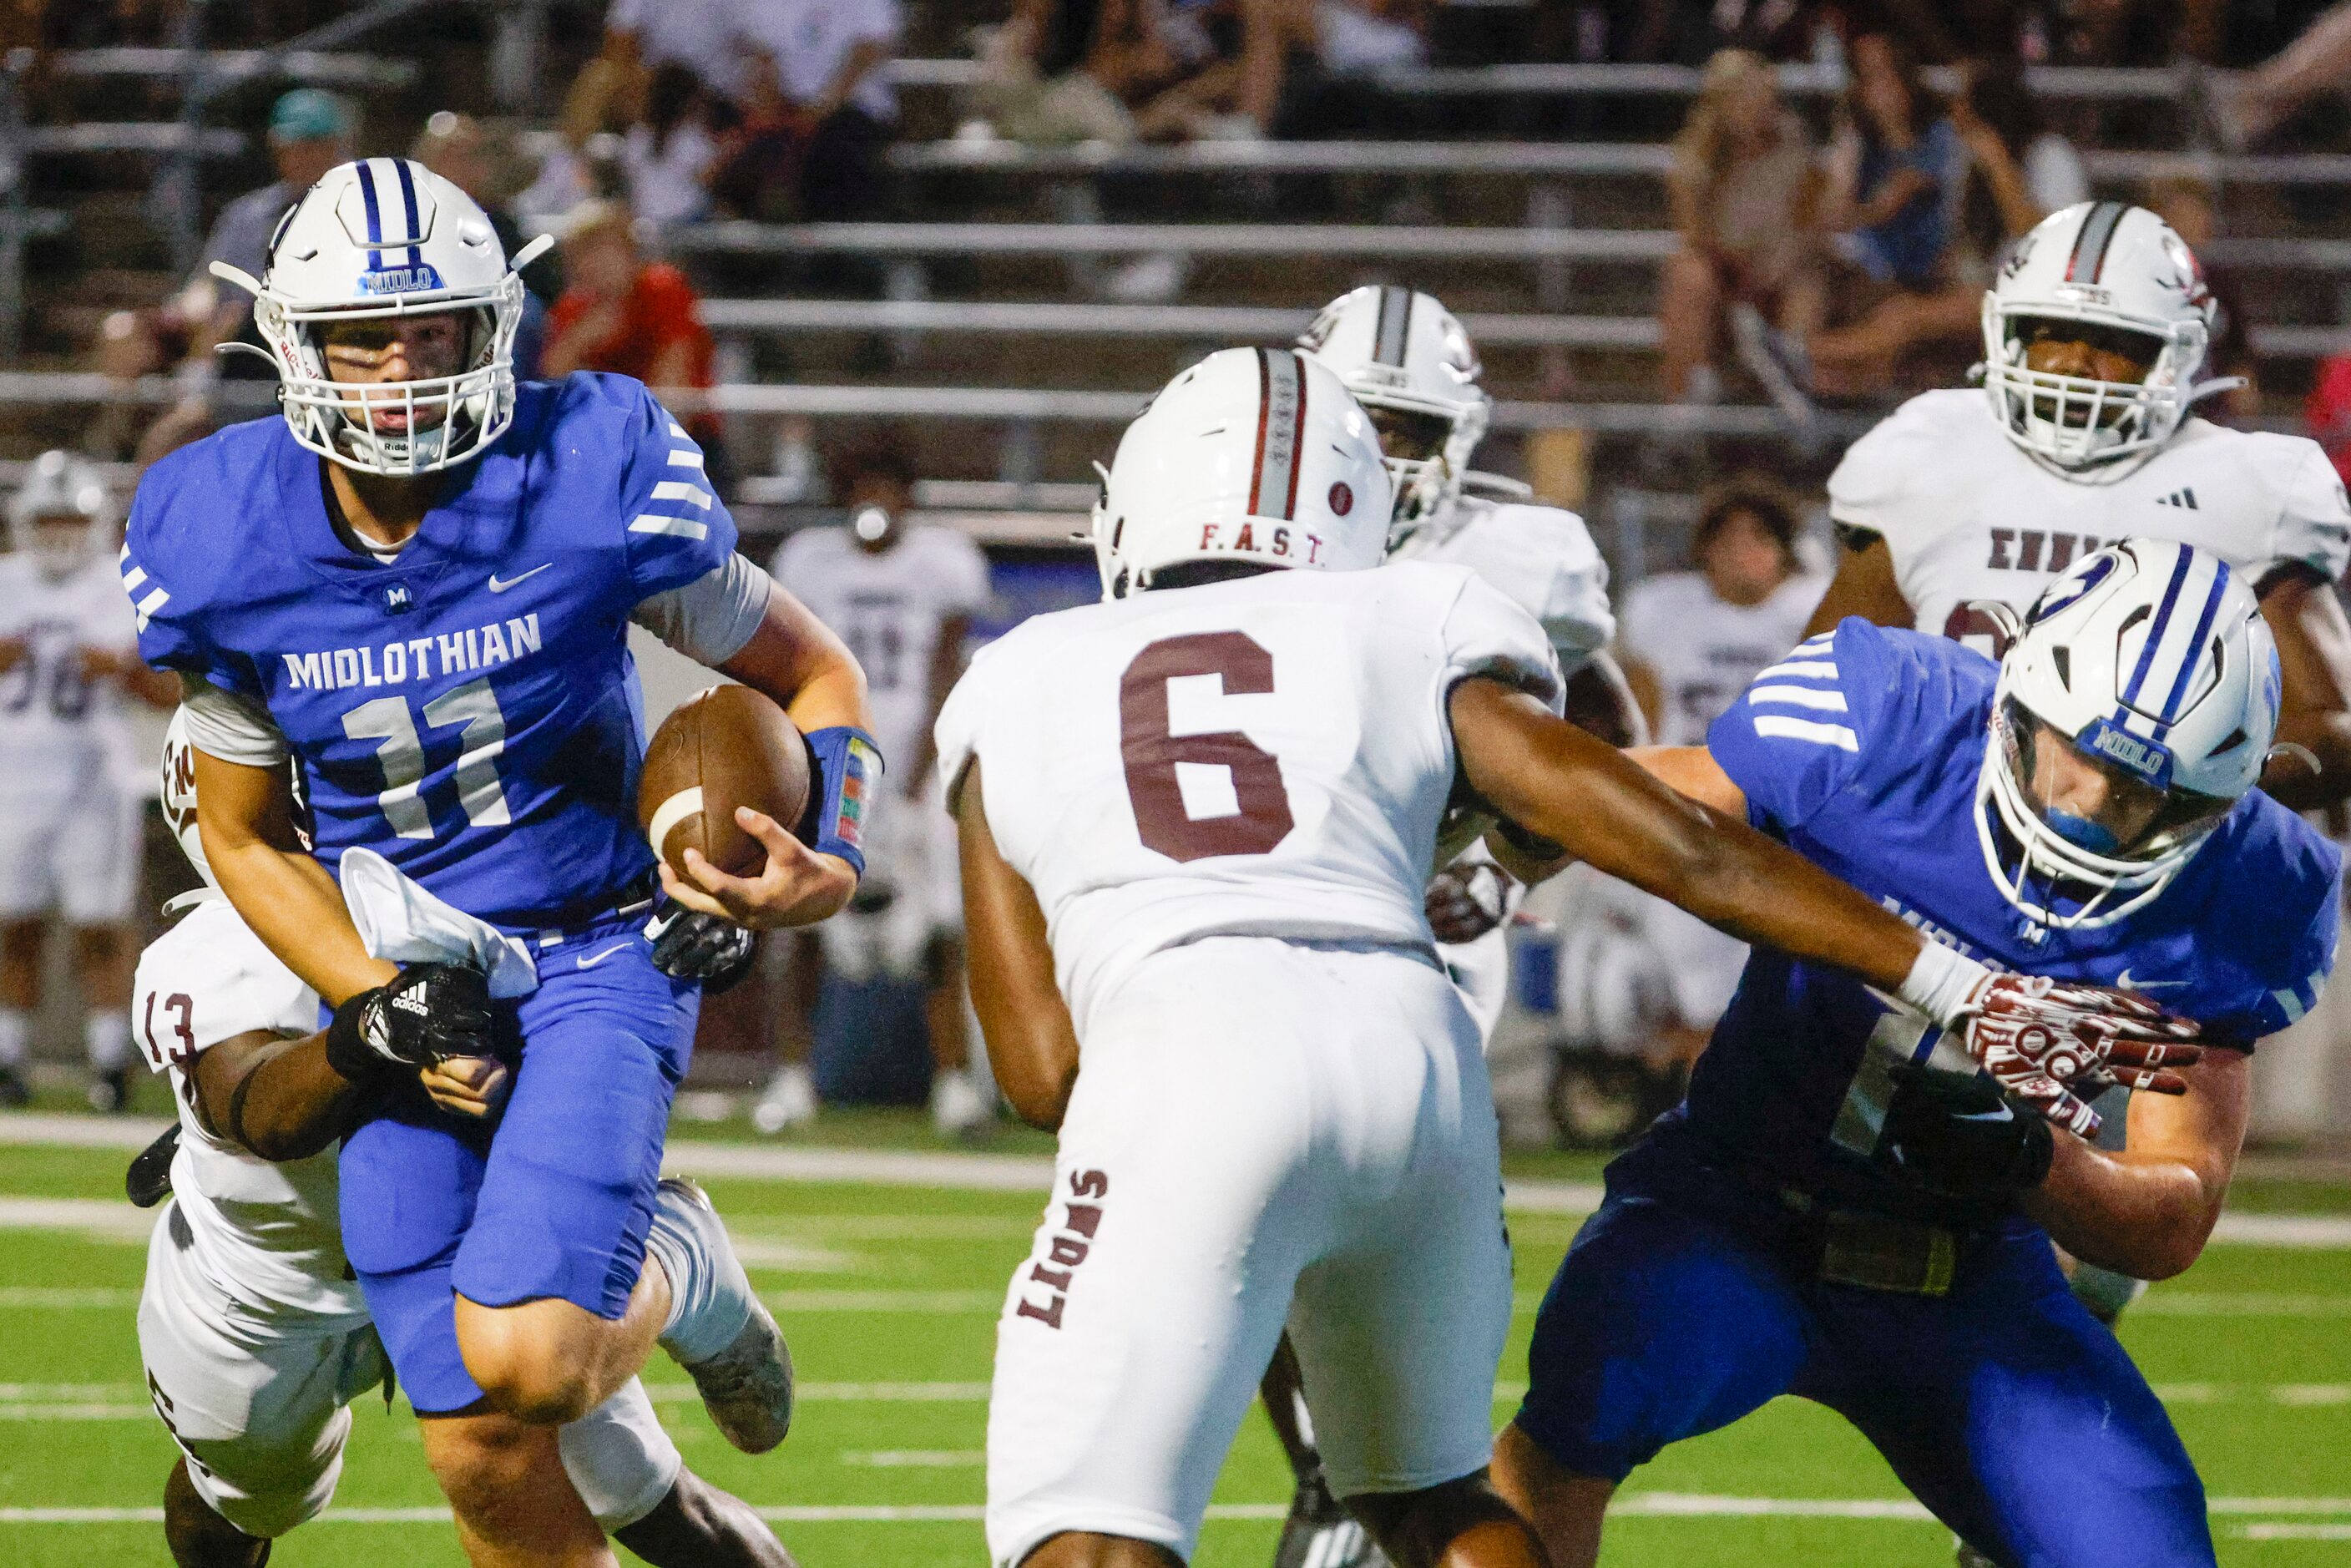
[[59, 732], [1541, 557], [269, 1236], [888, 607], [1969, 516], [1703, 651], [1267, 756]]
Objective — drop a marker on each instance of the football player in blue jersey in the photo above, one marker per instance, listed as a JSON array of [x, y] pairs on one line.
[[1846, 1210], [418, 582]]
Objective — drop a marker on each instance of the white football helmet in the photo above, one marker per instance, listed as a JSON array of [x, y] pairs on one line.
[[1252, 455], [379, 238], [2106, 267], [59, 485], [2152, 660], [177, 792], [1408, 361]]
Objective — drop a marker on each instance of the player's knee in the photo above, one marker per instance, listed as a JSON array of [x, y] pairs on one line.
[[1467, 1518], [533, 1377]]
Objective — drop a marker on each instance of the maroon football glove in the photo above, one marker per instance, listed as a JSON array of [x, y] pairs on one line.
[[2042, 1038]]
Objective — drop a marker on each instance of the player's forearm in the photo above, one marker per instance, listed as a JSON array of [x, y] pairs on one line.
[[2147, 1216], [280, 1099], [1553, 780], [294, 907], [1032, 1044]]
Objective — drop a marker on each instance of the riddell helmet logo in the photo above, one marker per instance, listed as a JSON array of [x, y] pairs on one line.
[[1342, 499]]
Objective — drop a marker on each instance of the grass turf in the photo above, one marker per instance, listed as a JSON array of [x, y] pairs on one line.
[[897, 1286]]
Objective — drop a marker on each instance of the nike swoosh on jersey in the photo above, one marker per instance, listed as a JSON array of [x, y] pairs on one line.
[[2126, 981], [591, 961], [2003, 1114], [498, 587]]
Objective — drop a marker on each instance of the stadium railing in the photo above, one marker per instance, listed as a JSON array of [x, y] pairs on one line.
[[1631, 160], [1418, 242], [307, 67], [1225, 323], [2110, 83]]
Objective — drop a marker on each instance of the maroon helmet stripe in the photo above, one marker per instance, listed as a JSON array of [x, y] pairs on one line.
[[1280, 427], [2089, 258]]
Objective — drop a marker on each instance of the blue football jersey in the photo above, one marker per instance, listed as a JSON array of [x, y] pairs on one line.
[[1861, 750], [469, 709]]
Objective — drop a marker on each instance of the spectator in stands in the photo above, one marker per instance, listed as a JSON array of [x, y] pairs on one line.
[[635, 317], [2248, 111], [2327, 414], [817, 107], [1063, 71], [2185, 201], [1896, 172], [1745, 196], [1332, 87], [1690, 643], [484, 161], [902, 595], [668, 155], [310, 131], [641, 36]]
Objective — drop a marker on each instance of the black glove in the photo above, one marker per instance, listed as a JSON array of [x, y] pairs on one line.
[[691, 946], [424, 1014], [1957, 1136]]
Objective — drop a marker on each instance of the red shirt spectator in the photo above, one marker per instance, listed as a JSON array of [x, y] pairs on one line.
[[629, 315], [2329, 413]]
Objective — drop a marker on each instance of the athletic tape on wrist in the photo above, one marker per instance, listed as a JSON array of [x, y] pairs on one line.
[[846, 775], [1941, 983]]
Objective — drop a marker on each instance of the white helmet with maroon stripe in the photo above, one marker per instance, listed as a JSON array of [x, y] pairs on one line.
[[1410, 364], [2120, 277], [1252, 455]]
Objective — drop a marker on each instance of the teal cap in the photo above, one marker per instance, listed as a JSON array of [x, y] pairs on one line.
[[308, 114]]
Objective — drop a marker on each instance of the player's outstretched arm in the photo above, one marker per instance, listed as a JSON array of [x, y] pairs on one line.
[[1032, 1042], [290, 901], [2147, 1210], [1602, 808], [283, 1098], [2314, 645]]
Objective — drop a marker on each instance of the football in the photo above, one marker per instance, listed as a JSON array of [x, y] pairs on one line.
[[721, 747]]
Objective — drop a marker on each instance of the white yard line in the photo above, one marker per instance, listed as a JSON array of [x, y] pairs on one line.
[[97, 1218]]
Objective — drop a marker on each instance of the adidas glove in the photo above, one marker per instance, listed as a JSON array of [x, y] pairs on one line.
[[426, 1013]]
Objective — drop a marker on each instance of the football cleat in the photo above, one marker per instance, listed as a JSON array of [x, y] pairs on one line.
[[960, 1108], [1320, 1533], [746, 1386]]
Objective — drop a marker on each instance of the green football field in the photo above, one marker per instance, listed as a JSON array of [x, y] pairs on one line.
[[886, 1272]]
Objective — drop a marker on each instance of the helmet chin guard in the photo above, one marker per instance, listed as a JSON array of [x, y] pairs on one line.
[[2150, 662], [1403, 354], [378, 240], [2110, 267]]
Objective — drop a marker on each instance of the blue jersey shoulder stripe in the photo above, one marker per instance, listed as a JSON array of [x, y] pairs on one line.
[[1812, 731]]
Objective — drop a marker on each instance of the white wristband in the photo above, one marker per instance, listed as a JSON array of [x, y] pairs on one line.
[[1941, 982]]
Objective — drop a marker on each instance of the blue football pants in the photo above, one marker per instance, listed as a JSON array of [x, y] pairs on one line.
[[2004, 1406]]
